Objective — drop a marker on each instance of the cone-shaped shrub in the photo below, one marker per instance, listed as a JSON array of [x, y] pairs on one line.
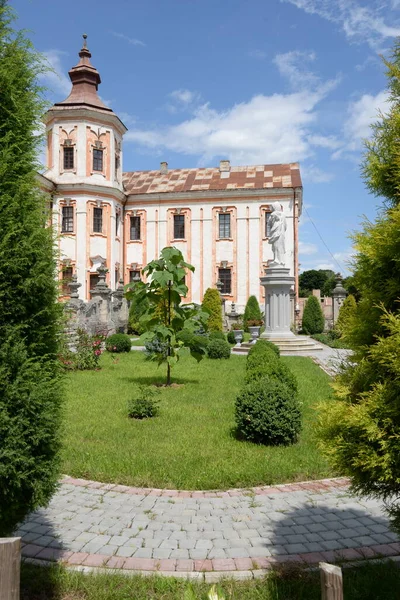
[[29, 314], [346, 313], [212, 304], [313, 318], [252, 312]]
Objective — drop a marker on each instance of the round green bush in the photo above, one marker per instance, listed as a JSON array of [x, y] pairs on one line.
[[275, 369], [313, 318], [268, 412], [231, 337], [137, 310], [118, 342], [218, 349], [262, 345], [217, 335], [196, 342]]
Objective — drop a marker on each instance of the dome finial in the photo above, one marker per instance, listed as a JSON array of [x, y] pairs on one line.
[[84, 40]]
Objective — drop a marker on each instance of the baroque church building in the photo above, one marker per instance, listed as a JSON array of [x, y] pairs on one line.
[[217, 216]]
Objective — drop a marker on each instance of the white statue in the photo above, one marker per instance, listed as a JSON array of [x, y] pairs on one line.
[[277, 235]]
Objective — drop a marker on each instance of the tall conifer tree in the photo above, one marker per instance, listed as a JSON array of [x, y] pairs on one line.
[[361, 431], [29, 315]]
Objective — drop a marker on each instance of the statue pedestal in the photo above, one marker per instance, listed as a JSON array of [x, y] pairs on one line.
[[278, 318], [277, 284]]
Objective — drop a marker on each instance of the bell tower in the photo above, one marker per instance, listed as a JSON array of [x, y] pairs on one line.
[[84, 161]]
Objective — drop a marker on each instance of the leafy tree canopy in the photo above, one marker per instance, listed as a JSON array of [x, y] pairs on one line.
[[165, 316], [316, 280]]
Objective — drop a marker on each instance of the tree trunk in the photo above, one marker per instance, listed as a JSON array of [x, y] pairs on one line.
[[169, 342]]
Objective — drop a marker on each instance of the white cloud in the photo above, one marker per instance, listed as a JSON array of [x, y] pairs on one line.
[[313, 174], [184, 96], [126, 38], [359, 23], [292, 66], [306, 248], [361, 114], [264, 129], [56, 79]]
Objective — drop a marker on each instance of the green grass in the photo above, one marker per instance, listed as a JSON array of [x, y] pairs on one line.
[[191, 444], [370, 582]]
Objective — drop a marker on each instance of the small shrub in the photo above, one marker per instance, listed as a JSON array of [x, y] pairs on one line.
[[145, 405], [262, 344], [331, 339], [268, 412], [88, 349], [118, 342], [155, 348], [231, 337], [212, 304], [237, 327], [252, 312], [216, 335], [275, 369], [313, 318], [218, 349]]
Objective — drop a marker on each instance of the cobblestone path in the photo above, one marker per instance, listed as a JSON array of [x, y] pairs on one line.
[[238, 532]]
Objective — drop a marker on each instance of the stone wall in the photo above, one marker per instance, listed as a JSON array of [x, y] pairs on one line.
[[106, 313]]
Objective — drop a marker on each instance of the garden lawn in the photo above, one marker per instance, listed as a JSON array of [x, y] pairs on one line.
[[369, 582], [191, 444]]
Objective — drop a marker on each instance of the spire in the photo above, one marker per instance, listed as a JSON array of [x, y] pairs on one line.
[[85, 82]]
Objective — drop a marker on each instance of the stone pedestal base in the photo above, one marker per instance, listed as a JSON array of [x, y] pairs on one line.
[[278, 318], [277, 284]]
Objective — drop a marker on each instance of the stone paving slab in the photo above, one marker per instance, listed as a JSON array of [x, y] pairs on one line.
[[94, 525]]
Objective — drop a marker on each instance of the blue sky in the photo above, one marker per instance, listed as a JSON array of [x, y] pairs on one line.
[[255, 81]]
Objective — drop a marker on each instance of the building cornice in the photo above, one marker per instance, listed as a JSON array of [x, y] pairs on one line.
[[89, 189], [212, 195], [84, 114], [45, 184]]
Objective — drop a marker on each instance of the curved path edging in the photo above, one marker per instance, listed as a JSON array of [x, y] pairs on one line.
[[206, 535]]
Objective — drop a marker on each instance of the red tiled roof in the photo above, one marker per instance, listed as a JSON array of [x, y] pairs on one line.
[[193, 180]]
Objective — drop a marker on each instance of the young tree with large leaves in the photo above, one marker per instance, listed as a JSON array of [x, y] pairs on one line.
[[361, 431], [166, 317], [29, 315]]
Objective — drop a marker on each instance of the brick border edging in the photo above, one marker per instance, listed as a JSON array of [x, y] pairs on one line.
[[311, 486], [221, 567]]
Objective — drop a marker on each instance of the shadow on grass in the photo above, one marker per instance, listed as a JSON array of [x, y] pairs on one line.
[[158, 380]]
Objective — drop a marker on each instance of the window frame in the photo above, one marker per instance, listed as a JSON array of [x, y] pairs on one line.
[[132, 228], [179, 222], [98, 159], [223, 226], [68, 150], [132, 272], [67, 221], [97, 218], [91, 277], [224, 280]]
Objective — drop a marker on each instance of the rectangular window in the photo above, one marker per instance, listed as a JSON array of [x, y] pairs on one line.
[[117, 224], [116, 277], [225, 276], [135, 228], [224, 225], [179, 227], [67, 273], [268, 224], [97, 159], [68, 157], [97, 220], [67, 224], [134, 275], [94, 280]]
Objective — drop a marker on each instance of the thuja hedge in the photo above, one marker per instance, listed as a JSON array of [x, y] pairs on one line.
[[30, 395], [267, 410]]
